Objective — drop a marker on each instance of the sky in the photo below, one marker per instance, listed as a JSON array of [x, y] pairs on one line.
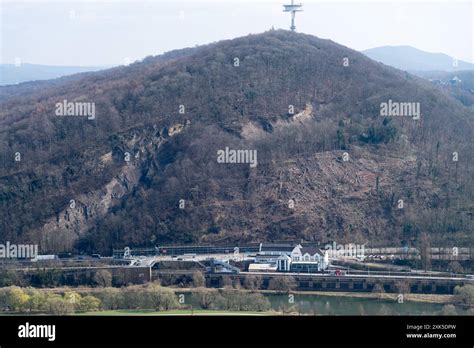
[[114, 32]]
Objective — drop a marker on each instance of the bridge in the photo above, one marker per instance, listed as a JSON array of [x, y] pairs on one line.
[[355, 282], [146, 270]]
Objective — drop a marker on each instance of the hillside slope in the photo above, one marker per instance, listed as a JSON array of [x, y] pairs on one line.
[[460, 84], [332, 170]]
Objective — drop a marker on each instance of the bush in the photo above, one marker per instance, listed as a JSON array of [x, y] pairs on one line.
[[103, 278], [403, 287], [111, 298], [241, 301], [282, 283], [10, 277], [449, 310], [37, 300], [380, 134], [236, 283], [132, 298], [253, 282], [257, 302], [161, 298], [455, 267], [226, 282], [205, 297], [16, 299], [72, 297], [464, 295], [198, 279], [169, 279], [57, 305], [89, 304]]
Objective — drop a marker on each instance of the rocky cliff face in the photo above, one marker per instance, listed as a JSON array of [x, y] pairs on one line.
[[145, 169]]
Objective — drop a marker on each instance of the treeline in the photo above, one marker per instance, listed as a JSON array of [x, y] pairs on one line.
[[154, 297], [19, 300], [150, 297], [54, 277]]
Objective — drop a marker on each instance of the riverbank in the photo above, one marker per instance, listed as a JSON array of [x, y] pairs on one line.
[[425, 298]]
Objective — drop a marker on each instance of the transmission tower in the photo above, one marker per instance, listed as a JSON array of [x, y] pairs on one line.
[[293, 8]]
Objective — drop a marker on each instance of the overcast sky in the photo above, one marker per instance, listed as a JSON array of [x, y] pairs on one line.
[[108, 32]]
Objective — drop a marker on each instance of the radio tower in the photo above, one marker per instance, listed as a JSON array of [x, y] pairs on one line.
[[293, 9]]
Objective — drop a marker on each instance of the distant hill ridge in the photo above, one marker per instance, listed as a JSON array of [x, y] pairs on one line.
[[412, 59], [11, 74]]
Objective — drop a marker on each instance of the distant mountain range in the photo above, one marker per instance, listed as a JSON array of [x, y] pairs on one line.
[[11, 74], [412, 59]]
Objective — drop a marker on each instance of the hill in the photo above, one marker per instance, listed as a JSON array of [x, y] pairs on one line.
[[460, 84], [11, 74], [145, 169], [412, 59]]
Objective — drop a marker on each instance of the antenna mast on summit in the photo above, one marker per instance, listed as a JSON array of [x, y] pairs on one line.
[[293, 8]]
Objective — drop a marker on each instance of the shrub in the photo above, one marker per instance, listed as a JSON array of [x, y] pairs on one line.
[[205, 297], [72, 297], [37, 300], [465, 295], [57, 305], [455, 267], [198, 279], [16, 299], [89, 304], [282, 283], [449, 310], [226, 282], [103, 278], [241, 301], [253, 282], [132, 298], [111, 298], [161, 298], [403, 287]]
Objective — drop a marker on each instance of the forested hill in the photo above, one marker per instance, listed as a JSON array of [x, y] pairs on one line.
[[144, 169]]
